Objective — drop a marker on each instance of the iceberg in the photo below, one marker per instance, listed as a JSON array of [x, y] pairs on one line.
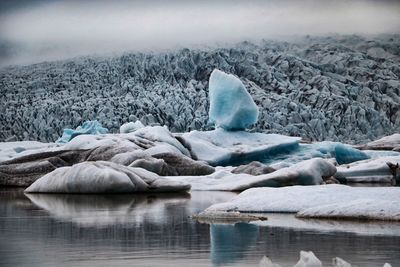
[[222, 147], [292, 199], [231, 106], [308, 259], [390, 142], [130, 127], [88, 127], [11, 150], [359, 209], [346, 154], [103, 177], [378, 170], [309, 172]]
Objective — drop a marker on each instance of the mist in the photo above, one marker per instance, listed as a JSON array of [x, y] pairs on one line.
[[36, 31]]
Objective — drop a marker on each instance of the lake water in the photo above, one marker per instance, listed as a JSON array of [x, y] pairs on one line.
[[156, 230]]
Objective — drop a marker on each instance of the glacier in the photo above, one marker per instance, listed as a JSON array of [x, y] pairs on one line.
[[231, 106], [318, 88]]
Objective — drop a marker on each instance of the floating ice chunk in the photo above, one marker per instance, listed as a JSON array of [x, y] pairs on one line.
[[158, 135], [11, 150], [385, 143], [88, 127], [379, 170], [310, 172], [130, 127], [308, 259], [103, 177], [154, 140], [266, 262], [338, 262], [222, 147], [359, 209], [231, 106], [345, 154], [296, 198]]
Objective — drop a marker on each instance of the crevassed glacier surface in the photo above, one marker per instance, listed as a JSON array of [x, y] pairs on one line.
[[320, 88]]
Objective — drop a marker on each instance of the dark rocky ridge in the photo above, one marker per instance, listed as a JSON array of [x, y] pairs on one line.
[[343, 88]]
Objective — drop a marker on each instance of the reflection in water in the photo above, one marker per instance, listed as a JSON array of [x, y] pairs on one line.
[[289, 221], [229, 243], [106, 210], [155, 230]]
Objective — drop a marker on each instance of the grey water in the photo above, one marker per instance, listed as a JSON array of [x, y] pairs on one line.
[[156, 230]]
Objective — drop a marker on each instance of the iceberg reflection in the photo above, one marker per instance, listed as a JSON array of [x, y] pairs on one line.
[[229, 243], [106, 210]]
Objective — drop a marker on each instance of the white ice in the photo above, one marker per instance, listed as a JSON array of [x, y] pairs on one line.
[[297, 198], [11, 150], [309, 172], [103, 177], [372, 170], [130, 127]]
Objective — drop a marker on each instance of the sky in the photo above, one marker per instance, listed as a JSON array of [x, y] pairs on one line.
[[40, 30]]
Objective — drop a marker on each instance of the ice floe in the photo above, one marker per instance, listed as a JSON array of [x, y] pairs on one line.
[[222, 147], [11, 150], [368, 209], [130, 127], [295, 199], [377, 170], [103, 177], [309, 172]]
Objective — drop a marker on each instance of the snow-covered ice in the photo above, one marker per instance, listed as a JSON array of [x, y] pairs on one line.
[[88, 127], [297, 198], [222, 147], [11, 150], [103, 177], [130, 127], [309, 172], [231, 106], [369, 209], [372, 170], [390, 142]]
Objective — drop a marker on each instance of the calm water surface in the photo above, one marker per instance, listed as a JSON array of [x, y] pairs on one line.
[[155, 230]]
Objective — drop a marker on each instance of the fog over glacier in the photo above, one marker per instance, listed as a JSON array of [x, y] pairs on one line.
[[35, 31]]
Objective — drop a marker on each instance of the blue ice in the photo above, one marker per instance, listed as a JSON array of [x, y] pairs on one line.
[[231, 106], [88, 127]]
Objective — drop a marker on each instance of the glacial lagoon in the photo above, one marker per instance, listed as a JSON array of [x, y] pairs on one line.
[[156, 230]]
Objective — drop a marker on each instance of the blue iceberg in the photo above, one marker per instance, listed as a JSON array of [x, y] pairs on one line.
[[345, 154], [88, 127], [231, 106]]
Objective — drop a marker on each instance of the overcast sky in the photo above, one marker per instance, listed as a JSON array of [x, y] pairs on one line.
[[33, 31]]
